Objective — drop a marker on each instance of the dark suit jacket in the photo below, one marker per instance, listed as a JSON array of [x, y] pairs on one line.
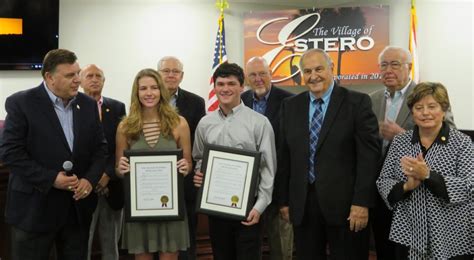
[[112, 113], [273, 107], [35, 149], [1, 141], [346, 156], [192, 108]]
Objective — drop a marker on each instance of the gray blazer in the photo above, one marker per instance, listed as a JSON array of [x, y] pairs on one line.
[[404, 118]]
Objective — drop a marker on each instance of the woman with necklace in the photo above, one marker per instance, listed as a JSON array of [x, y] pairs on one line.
[[155, 125]]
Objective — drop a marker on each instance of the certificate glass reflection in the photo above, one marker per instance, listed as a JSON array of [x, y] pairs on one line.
[[227, 184], [230, 178], [154, 187]]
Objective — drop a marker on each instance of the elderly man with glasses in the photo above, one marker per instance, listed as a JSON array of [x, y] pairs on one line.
[[390, 106], [192, 108]]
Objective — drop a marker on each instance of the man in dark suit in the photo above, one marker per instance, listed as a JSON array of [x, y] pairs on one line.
[[46, 126], [192, 108], [327, 164], [390, 106], [109, 214], [1, 138], [266, 100]]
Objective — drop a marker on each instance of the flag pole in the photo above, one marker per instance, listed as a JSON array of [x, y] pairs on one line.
[[220, 54], [221, 5], [413, 45]]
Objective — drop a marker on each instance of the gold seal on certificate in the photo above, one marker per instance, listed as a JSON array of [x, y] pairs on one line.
[[154, 187], [164, 200], [230, 179], [234, 199]]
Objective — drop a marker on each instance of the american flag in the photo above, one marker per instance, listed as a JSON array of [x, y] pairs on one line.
[[412, 45], [220, 56]]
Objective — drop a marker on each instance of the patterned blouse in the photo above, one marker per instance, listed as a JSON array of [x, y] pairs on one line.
[[436, 220]]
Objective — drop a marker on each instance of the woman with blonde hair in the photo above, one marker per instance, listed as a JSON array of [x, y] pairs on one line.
[[153, 124]]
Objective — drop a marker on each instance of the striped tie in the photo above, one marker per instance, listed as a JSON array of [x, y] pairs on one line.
[[315, 128]]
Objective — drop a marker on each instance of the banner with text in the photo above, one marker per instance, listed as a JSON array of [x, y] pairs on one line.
[[353, 37]]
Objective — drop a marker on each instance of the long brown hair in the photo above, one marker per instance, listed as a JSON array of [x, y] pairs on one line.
[[169, 119]]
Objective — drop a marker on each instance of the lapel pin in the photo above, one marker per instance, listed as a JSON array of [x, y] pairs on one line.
[[107, 110], [443, 138], [78, 107]]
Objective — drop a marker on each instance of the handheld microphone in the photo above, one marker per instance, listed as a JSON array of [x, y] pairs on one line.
[[67, 166]]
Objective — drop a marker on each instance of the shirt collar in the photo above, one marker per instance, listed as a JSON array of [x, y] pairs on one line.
[[235, 110], [101, 101], [326, 95], [402, 91], [441, 138], [264, 97], [55, 99]]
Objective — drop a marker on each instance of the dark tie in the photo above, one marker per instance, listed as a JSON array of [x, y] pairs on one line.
[[315, 128]]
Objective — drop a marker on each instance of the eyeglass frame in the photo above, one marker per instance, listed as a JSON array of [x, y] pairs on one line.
[[395, 65], [171, 71], [261, 74]]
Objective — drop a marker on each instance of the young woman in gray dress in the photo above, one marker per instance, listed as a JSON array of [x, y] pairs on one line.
[[155, 125]]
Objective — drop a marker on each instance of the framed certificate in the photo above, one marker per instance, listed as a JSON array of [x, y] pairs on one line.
[[154, 187], [230, 180]]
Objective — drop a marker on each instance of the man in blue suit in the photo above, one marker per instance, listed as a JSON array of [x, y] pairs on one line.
[[46, 126]]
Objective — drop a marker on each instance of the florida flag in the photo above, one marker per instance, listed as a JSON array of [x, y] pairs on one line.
[[412, 45], [220, 56]]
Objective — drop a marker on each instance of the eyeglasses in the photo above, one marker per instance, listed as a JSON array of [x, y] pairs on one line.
[[318, 70], [168, 71], [261, 74], [395, 65]]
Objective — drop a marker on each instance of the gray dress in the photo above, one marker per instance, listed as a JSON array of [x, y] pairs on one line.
[[160, 236]]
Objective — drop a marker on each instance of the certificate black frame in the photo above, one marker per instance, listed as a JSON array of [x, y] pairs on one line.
[[179, 202], [250, 196]]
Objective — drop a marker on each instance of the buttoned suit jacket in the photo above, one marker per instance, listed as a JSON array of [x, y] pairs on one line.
[[346, 156], [35, 149], [272, 111], [112, 113], [192, 108]]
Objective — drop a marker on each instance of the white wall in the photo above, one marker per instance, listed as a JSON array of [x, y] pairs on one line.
[[126, 36], [446, 48]]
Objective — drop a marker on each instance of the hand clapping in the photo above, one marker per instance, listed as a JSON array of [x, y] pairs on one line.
[[416, 171]]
